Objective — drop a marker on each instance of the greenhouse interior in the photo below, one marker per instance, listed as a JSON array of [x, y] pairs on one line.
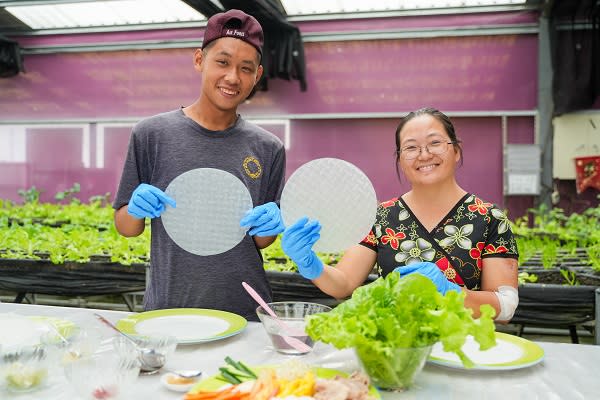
[[285, 199]]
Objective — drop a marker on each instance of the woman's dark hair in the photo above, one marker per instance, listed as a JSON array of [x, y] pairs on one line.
[[437, 114]]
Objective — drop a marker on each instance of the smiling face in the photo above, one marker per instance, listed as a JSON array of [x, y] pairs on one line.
[[230, 68], [427, 168]]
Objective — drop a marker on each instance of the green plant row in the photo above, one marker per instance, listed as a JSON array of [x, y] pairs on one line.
[[69, 242], [70, 230], [552, 237]]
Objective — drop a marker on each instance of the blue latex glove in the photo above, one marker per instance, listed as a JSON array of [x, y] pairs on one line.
[[431, 271], [148, 201], [297, 242], [264, 220]]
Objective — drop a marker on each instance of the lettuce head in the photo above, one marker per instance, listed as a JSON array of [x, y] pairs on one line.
[[394, 312]]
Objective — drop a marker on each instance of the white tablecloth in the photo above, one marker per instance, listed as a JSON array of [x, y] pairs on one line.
[[568, 371]]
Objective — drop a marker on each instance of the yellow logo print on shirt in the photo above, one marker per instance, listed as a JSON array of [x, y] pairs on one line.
[[252, 167]]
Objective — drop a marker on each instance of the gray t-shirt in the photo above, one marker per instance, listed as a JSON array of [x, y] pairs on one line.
[[165, 146]]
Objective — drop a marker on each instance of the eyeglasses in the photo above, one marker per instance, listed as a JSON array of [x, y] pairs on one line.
[[436, 147]]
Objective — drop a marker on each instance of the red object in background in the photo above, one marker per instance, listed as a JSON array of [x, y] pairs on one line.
[[587, 173]]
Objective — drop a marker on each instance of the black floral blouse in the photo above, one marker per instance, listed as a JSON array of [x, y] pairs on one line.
[[472, 230]]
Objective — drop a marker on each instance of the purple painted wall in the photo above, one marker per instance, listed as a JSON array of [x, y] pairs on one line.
[[370, 146], [469, 73], [476, 73], [55, 156]]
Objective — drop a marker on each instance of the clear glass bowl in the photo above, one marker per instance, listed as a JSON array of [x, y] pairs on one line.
[[154, 351], [107, 373], [25, 368], [395, 369], [293, 314]]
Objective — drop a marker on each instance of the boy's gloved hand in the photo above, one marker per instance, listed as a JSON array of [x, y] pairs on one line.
[[431, 271], [264, 220], [148, 201], [297, 241]]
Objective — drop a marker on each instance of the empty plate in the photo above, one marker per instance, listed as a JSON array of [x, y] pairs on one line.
[[188, 325], [210, 205], [510, 352], [337, 194]]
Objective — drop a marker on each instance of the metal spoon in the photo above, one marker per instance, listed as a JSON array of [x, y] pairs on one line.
[[73, 353], [151, 361], [188, 373]]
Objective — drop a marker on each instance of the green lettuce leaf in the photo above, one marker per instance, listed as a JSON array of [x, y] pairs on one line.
[[392, 313]]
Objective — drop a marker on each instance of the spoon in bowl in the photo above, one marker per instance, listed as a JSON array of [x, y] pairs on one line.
[[186, 373], [150, 359], [73, 353], [292, 341]]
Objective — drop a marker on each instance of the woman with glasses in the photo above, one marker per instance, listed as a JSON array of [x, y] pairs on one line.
[[437, 229]]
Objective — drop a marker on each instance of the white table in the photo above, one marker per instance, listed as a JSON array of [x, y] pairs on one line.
[[569, 371]]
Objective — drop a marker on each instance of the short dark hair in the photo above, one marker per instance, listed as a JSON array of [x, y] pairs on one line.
[[437, 114]]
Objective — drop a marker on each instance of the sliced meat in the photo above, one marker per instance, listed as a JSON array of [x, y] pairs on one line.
[[326, 389]]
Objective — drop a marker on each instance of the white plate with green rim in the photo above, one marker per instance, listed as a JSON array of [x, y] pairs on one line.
[[188, 325], [21, 330], [510, 352]]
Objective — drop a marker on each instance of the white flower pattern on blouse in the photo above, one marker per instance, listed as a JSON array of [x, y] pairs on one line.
[[412, 251], [503, 218], [460, 236]]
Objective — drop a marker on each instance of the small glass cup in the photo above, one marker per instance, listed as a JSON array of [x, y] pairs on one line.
[[293, 314], [393, 370], [25, 368], [107, 373], [154, 351]]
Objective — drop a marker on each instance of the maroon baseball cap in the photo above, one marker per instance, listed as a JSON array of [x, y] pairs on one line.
[[237, 24]]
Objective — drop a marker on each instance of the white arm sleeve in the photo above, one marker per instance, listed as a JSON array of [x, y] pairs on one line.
[[508, 297]]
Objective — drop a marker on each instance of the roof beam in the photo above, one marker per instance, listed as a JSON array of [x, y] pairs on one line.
[[15, 3], [207, 8]]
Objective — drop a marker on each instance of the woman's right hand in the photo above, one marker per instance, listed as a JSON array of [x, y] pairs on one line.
[[297, 242]]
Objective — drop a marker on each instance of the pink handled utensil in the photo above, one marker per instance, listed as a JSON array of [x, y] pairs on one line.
[[292, 341]]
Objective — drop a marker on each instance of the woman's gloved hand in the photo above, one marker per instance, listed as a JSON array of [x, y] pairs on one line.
[[297, 242], [148, 201], [431, 271], [263, 220]]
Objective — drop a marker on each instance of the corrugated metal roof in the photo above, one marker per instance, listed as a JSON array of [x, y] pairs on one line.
[[307, 7], [40, 15], [103, 13]]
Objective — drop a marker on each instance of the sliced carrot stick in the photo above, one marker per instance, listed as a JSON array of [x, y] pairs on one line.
[[236, 395], [210, 395], [228, 393]]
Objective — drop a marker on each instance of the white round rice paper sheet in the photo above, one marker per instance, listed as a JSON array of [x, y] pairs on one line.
[[337, 194], [210, 206]]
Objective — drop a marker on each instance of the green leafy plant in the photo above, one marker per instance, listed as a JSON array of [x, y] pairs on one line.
[[570, 277], [594, 256], [31, 195], [392, 313], [68, 194], [526, 277], [551, 237]]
